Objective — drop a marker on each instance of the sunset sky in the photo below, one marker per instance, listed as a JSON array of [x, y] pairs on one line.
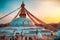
[[45, 10]]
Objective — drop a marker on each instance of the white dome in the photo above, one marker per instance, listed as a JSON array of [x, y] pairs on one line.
[[21, 22]]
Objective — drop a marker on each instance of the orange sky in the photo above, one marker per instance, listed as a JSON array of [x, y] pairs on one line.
[[48, 11]]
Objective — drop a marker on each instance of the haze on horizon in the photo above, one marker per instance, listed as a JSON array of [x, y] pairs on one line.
[[47, 11]]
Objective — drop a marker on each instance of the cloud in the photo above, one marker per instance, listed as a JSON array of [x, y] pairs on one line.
[[0, 15]]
